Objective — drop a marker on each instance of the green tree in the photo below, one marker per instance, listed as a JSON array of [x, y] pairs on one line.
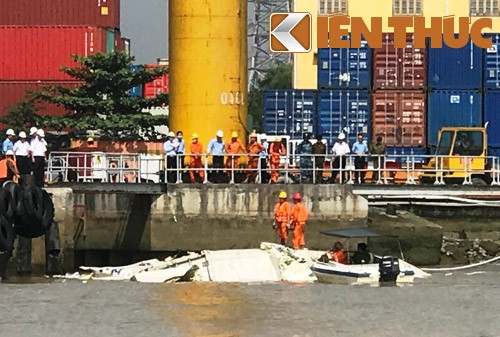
[[21, 115], [103, 101], [277, 77]]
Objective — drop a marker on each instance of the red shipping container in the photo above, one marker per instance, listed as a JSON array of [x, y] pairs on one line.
[[14, 92], [158, 86], [399, 117], [105, 13], [399, 68], [37, 53]]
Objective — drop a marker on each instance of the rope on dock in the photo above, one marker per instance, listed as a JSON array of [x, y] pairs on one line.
[[463, 267]]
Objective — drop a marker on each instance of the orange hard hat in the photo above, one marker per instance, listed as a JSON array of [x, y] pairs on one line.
[[297, 196]]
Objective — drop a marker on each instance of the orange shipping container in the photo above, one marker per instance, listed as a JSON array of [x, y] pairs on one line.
[[399, 117]]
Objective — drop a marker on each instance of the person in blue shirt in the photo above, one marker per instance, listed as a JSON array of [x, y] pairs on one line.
[[7, 143], [360, 149], [216, 148]]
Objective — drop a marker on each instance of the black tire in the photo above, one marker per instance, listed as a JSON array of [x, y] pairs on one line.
[[48, 211], [476, 181], [15, 192], [6, 204], [32, 198], [6, 235]]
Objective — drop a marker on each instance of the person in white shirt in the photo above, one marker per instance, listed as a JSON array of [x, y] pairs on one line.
[[38, 150], [340, 151], [22, 151]]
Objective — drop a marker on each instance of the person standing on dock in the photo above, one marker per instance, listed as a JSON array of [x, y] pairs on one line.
[[181, 150], [305, 151], [195, 160], [340, 151], [22, 151], [7, 143], [264, 176], [360, 149], [319, 152], [170, 148], [298, 222], [38, 149], [282, 217], [233, 148], [276, 150], [378, 152], [216, 148], [253, 149]]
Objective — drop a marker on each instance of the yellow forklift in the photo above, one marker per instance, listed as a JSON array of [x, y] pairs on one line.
[[463, 152]]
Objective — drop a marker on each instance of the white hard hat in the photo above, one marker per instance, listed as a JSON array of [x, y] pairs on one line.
[[10, 132], [263, 136], [220, 134], [22, 134], [33, 130], [40, 132], [9, 153], [341, 136], [171, 134]]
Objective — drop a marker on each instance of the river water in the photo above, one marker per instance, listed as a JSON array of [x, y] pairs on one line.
[[461, 304]]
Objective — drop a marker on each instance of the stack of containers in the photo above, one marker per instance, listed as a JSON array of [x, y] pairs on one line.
[[491, 95], [38, 37], [454, 95], [399, 81], [158, 86], [344, 80], [289, 112]]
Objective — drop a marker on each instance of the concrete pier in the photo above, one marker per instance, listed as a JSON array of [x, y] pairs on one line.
[[113, 223]]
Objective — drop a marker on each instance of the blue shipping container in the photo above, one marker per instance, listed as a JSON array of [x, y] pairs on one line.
[[400, 152], [450, 68], [289, 112], [452, 108], [345, 67], [347, 111], [491, 114], [492, 63], [136, 91]]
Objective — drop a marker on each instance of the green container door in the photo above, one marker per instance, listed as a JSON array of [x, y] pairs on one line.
[[110, 41]]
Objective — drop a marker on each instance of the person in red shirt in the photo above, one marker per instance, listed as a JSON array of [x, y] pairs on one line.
[[299, 218], [195, 159], [282, 217]]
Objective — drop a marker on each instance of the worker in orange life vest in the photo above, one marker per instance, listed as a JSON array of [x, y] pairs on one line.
[[299, 218], [276, 150], [336, 254], [282, 217], [8, 167]]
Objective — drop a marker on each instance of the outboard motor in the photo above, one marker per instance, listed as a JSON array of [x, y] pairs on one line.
[[388, 268]]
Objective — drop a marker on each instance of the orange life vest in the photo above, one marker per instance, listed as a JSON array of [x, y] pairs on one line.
[[340, 257], [282, 212], [4, 169]]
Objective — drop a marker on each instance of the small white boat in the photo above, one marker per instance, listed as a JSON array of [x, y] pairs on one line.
[[333, 272], [384, 269]]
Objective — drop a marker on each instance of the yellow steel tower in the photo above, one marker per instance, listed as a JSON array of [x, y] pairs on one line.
[[208, 58]]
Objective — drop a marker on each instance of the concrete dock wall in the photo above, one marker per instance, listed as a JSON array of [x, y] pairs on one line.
[[190, 217]]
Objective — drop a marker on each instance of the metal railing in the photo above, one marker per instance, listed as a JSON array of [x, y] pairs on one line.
[[245, 168]]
